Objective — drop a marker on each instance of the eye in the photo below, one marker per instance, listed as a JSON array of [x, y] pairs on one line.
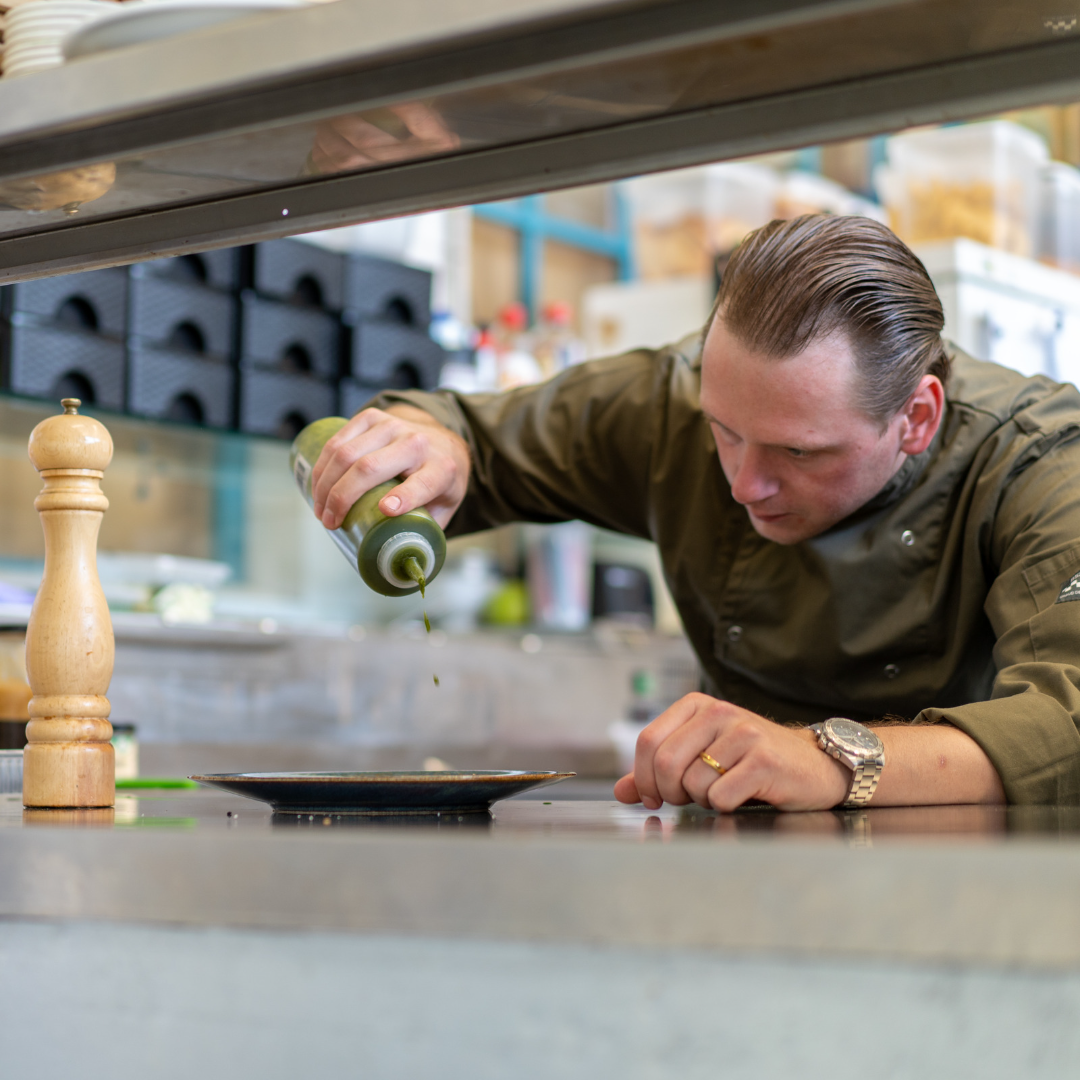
[[795, 452]]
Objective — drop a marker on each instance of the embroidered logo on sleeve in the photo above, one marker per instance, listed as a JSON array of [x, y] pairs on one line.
[[1070, 590]]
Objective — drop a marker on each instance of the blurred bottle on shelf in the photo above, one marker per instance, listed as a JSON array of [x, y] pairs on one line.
[[558, 562], [555, 345], [487, 361], [515, 363]]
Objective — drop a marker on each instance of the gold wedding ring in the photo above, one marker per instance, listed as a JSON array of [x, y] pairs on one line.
[[712, 763]]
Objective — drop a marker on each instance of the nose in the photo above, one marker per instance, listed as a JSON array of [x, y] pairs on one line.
[[752, 481]]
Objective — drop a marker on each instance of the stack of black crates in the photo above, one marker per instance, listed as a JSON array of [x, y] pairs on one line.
[[64, 337], [182, 337], [262, 339]]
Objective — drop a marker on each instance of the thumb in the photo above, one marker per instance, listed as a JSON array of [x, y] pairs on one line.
[[626, 790]]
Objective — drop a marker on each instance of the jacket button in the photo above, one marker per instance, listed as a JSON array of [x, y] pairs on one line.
[[907, 538], [734, 633], [892, 670]]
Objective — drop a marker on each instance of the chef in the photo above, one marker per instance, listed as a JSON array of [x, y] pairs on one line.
[[873, 540]]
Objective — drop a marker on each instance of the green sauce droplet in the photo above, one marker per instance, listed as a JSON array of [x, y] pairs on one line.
[[412, 568]]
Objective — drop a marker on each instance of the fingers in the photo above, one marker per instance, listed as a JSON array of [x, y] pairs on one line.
[[626, 791], [418, 489], [368, 431], [734, 750], [376, 446], [367, 471], [656, 768], [426, 124], [741, 782]]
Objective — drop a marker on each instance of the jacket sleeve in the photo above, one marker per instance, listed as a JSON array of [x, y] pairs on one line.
[[576, 446], [1030, 728]]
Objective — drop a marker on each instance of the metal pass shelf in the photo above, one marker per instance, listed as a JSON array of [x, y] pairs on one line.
[[350, 111]]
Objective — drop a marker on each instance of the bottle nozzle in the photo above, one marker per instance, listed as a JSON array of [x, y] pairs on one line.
[[413, 569], [407, 559]]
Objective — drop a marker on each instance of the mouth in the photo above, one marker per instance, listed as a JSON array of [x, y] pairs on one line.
[[757, 515]]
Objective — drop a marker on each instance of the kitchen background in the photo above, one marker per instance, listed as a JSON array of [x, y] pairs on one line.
[[244, 638]]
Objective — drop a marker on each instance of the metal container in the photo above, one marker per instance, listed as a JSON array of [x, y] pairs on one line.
[[11, 762]]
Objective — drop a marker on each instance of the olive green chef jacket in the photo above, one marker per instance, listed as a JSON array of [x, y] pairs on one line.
[[951, 596]]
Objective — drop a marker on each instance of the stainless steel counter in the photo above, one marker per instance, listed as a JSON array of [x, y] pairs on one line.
[[213, 135], [946, 884], [563, 936]]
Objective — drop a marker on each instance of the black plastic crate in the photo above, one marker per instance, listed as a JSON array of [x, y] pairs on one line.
[[94, 301], [275, 403], [182, 317], [178, 386], [300, 273], [381, 289], [355, 395], [395, 357], [53, 363], [219, 269], [291, 339]]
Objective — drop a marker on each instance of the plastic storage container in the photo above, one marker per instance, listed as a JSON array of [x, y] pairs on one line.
[[390, 291], [979, 181], [180, 387], [669, 221], [282, 337], [280, 404], [221, 269], [1059, 224], [182, 316], [395, 357], [95, 301], [52, 363], [300, 273]]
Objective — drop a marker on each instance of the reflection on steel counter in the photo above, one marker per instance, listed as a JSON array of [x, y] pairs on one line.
[[67, 190]]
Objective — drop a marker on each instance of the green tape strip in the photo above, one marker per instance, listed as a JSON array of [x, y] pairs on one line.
[[145, 783]]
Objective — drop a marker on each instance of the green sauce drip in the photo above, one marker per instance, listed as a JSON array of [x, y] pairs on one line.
[[412, 568]]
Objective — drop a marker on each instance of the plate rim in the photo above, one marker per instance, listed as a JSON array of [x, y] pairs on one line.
[[387, 777], [136, 12]]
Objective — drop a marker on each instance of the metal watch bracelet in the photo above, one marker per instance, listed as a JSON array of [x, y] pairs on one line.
[[864, 783]]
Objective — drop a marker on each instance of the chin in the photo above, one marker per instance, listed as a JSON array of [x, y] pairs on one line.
[[786, 530]]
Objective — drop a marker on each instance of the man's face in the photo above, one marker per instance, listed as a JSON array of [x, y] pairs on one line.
[[797, 452]]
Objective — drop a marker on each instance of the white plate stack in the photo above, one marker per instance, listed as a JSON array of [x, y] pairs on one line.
[[34, 31]]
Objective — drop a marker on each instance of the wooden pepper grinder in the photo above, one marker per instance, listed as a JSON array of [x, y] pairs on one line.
[[68, 760]]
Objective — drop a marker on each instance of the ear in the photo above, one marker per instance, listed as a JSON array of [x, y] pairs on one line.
[[921, 415]]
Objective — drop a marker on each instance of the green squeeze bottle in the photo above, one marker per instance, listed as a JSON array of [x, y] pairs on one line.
[[394, 555]]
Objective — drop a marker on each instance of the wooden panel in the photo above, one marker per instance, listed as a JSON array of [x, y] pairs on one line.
[[495, 273], [569, 271], [159, 486], [589, 205]]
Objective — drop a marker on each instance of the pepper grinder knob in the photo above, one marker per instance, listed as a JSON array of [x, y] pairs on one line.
[[68, 760]]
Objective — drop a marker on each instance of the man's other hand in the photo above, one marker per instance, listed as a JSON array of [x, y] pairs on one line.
[[376, 446], [778, 765]]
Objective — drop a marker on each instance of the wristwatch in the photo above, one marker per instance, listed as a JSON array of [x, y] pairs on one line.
[[859, 749]]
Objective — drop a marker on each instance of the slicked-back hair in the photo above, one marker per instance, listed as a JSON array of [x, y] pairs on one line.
[[791, 283]]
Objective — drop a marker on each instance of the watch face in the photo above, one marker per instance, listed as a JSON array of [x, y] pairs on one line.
[[853, 737]]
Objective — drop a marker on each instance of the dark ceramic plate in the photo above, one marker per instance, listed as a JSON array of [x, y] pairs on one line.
[[381, 792]]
